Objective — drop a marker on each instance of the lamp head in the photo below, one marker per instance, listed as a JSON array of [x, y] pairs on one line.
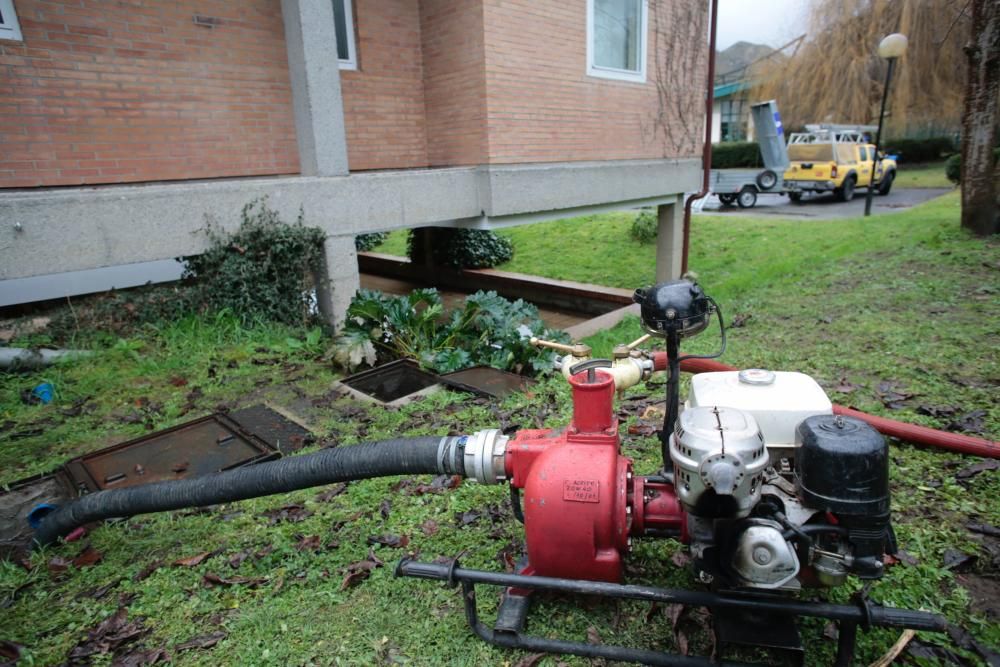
[[892, 46]]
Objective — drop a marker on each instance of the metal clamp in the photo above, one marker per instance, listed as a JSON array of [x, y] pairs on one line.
[[484, 456]]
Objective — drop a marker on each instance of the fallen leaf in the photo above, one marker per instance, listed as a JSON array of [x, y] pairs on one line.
[[384, 508], [593, 637], [970, 422], [237, 559], [429, 527], [966, 641], [530, 660], [291, 513], [983, 529], [148, 570], [331, 493], [10, 651], [957, 560], [58, 564], [976, 468], [202, 641], [180, 467], [357, 572], [309, 543], [739, 320], [87, 557], [178, 381], [191, 561], [212, 579], [389, 540], [469, 517], [140, 657]]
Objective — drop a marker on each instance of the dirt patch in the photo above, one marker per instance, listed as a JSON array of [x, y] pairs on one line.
[[984, 592]]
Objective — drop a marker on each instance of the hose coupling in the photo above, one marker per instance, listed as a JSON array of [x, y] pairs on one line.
[[485, 452]]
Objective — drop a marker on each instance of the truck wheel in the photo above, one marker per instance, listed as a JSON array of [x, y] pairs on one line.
[[795, 196], [727, 200], [767, 179], [886, 185], [746, 198], [846, 191]]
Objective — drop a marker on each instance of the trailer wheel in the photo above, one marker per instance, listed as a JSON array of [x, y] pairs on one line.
[[747, 197], [767, 179], [727, 200]]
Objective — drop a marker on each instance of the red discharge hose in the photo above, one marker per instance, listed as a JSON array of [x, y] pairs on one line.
[[921, 435]]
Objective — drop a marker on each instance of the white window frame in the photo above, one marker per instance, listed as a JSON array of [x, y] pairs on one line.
[[10, 29], [352, 54], [612, 72]]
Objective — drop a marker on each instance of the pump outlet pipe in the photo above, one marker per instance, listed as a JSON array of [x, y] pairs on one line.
[[451, 455], [920, 435]]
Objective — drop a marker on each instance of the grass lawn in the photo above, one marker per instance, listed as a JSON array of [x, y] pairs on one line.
[[922, 175], [896, 314]]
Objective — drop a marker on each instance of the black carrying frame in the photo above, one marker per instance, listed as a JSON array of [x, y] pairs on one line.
[[514, 608]]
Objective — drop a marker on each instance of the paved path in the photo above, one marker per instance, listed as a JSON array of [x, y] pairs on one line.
[[826, 206]]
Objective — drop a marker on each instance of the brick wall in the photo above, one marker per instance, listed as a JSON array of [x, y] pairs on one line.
[[384, 99], [108, 91], [454, 81], [542, 105]]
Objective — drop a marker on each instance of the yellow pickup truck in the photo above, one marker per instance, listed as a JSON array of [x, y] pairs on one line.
[[835, 160]]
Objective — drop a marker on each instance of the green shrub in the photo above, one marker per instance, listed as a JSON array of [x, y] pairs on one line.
[[644, 227], [259, 272], [735, 154], [953, 166], [366, 242], [930, 149], [462, 248], [487, 330]]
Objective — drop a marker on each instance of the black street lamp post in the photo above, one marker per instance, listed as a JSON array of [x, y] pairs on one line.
[[891, 48]]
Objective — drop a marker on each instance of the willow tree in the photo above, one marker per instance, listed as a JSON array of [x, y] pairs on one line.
[[837, 76]]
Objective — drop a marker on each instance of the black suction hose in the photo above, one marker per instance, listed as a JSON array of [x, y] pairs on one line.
[[425, 455]]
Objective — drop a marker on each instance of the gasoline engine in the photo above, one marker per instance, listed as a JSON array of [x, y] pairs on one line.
[[771, 492]]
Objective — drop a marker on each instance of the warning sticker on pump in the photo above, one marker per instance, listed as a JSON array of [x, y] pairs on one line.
[[581, 490]]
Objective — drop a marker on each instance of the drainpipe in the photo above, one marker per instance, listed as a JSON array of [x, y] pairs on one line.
[[706, 153]]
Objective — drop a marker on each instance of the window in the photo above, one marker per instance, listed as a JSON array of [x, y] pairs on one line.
[[863, 150], [343, 20], [9, 28], [616, 39]]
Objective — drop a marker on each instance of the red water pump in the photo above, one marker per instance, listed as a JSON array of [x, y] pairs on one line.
[[752, 481]]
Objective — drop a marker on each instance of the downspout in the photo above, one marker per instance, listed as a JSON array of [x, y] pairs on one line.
[[706, 153]]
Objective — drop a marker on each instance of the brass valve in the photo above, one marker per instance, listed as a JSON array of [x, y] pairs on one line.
[[578, 350]]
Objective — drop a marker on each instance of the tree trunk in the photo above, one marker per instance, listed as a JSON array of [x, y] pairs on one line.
[[980, 207]]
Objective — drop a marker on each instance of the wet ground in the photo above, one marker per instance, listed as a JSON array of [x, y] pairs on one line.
[[827, 206]]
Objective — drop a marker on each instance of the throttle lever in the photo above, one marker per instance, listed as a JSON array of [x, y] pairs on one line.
[[590, 366]]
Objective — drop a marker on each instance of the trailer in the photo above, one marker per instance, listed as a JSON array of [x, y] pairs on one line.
[[741, 186]]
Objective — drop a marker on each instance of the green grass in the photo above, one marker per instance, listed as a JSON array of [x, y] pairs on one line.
[[905, 298], [922, 175]]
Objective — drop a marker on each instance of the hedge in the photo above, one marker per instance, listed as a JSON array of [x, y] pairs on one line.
[[931, 149], [735, 154]]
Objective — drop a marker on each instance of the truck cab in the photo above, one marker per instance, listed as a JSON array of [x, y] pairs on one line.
[[838, 159]]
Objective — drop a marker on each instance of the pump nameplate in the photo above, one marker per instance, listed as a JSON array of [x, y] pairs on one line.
[[581, 490]]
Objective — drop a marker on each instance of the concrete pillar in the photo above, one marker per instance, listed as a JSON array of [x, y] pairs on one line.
[[337, 279], [669, 240], [311, 41]]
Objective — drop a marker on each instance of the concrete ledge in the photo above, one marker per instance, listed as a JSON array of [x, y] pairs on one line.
[[57, 230], [565, 294]]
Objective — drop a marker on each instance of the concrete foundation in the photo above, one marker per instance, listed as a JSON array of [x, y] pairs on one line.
[[50, 231]]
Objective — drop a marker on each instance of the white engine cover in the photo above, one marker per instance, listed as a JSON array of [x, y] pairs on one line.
[[778, 400]]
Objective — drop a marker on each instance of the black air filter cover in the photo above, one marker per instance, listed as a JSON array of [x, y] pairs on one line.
[[678, 305], [842, 466]]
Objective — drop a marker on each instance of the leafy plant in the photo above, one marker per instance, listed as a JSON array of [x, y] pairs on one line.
[[260, 271], [487, 330], [461, 248], [366, 242], [644, 227], [953, 165]]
